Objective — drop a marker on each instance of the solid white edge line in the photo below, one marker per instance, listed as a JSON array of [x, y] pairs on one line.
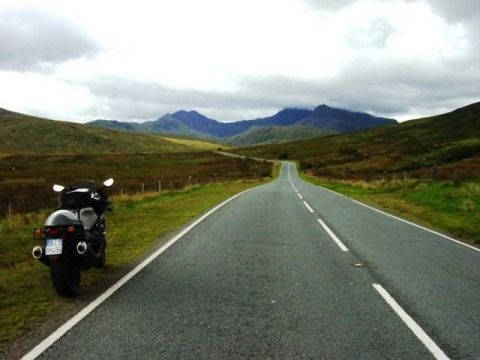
[[399, 218], [300, 196], [57, 334], [419, 226], [413, 326], [333, 236], [307, 206]]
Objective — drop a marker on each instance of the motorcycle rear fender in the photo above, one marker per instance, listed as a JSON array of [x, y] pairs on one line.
[[63, 218]]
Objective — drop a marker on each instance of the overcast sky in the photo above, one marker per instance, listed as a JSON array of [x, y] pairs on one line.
[[237, 59]]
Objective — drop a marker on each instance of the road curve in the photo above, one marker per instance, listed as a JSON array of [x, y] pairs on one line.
[[266, 277]]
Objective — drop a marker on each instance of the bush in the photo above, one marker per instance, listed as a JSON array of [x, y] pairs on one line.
[[305, 165], [350, 153], [265, 172], [243, 165]]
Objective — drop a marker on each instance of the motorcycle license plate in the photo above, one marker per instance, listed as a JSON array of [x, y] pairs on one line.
[[53, 246]]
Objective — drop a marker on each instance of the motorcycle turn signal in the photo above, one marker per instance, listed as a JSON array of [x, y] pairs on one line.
[[37, 233]]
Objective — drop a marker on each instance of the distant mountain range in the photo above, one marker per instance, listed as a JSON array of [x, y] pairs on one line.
[[286, 125]]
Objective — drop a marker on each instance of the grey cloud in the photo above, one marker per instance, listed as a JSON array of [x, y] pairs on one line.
[[329, 5], [386, 88], [457, 10], [123, 98], [36, 41], [465, 12], [451, 10]]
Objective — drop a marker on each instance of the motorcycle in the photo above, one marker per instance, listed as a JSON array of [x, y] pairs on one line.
[[74, 235]]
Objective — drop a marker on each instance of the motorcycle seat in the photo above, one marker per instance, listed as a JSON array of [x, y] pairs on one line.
[[88, 217]]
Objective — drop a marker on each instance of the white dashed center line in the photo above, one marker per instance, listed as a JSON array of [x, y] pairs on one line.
[[333, 236], [307, 206]]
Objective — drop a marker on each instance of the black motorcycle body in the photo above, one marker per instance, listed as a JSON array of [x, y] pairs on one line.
[[74, 235]]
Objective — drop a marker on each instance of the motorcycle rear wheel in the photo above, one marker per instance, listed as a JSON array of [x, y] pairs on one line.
[[101, 261], [65, 278]]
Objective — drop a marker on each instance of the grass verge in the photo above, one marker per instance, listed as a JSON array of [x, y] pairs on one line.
[[27, 298], [440, 205]]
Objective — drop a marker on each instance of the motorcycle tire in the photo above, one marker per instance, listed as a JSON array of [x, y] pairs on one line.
[[101, 261], [65, 278]]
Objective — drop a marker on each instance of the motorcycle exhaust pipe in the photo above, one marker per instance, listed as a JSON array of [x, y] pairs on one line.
[[37, 252], [90, 258], [82, 247]]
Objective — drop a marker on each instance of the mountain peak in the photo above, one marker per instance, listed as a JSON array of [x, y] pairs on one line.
[[184, 112], [190, 116], [342, 120], [291, 110]]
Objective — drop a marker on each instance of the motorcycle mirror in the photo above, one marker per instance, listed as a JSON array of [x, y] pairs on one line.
[[108, 182], [58, 188]]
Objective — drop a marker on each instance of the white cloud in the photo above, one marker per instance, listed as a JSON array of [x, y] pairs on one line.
[[42, 95], [394, 57], [33, 40]]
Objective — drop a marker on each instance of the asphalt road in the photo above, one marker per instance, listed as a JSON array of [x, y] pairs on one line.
[[262, 278]]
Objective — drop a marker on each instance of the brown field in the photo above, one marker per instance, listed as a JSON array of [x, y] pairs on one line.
[[26, 180]]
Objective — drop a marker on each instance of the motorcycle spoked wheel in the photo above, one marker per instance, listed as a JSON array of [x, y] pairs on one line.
[[65, 278]]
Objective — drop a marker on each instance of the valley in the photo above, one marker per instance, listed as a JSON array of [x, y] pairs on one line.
[[426, 170]]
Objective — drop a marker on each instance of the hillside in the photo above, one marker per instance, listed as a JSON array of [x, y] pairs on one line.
[[445, 147], [275, 134], [29, 134], [342, 121], [323, 118]]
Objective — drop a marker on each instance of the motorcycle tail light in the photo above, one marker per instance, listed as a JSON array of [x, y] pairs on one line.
[[53, 231], [71, 229]]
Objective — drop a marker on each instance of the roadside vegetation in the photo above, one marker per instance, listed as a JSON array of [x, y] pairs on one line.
[[445, 206], [26, 180], [138, 220], [426, 170]]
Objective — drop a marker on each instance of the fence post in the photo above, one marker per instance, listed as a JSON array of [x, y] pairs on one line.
[[143, 188], [159, 185], [189, 180], [9, 206]]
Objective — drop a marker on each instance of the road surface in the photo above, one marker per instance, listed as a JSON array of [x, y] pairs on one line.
[[289, 270]]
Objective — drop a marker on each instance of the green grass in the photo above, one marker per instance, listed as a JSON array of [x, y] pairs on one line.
[[26, 295], [441, 205]]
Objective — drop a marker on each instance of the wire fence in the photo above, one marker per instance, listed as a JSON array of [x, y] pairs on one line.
[[45, 198], [30, 201]]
